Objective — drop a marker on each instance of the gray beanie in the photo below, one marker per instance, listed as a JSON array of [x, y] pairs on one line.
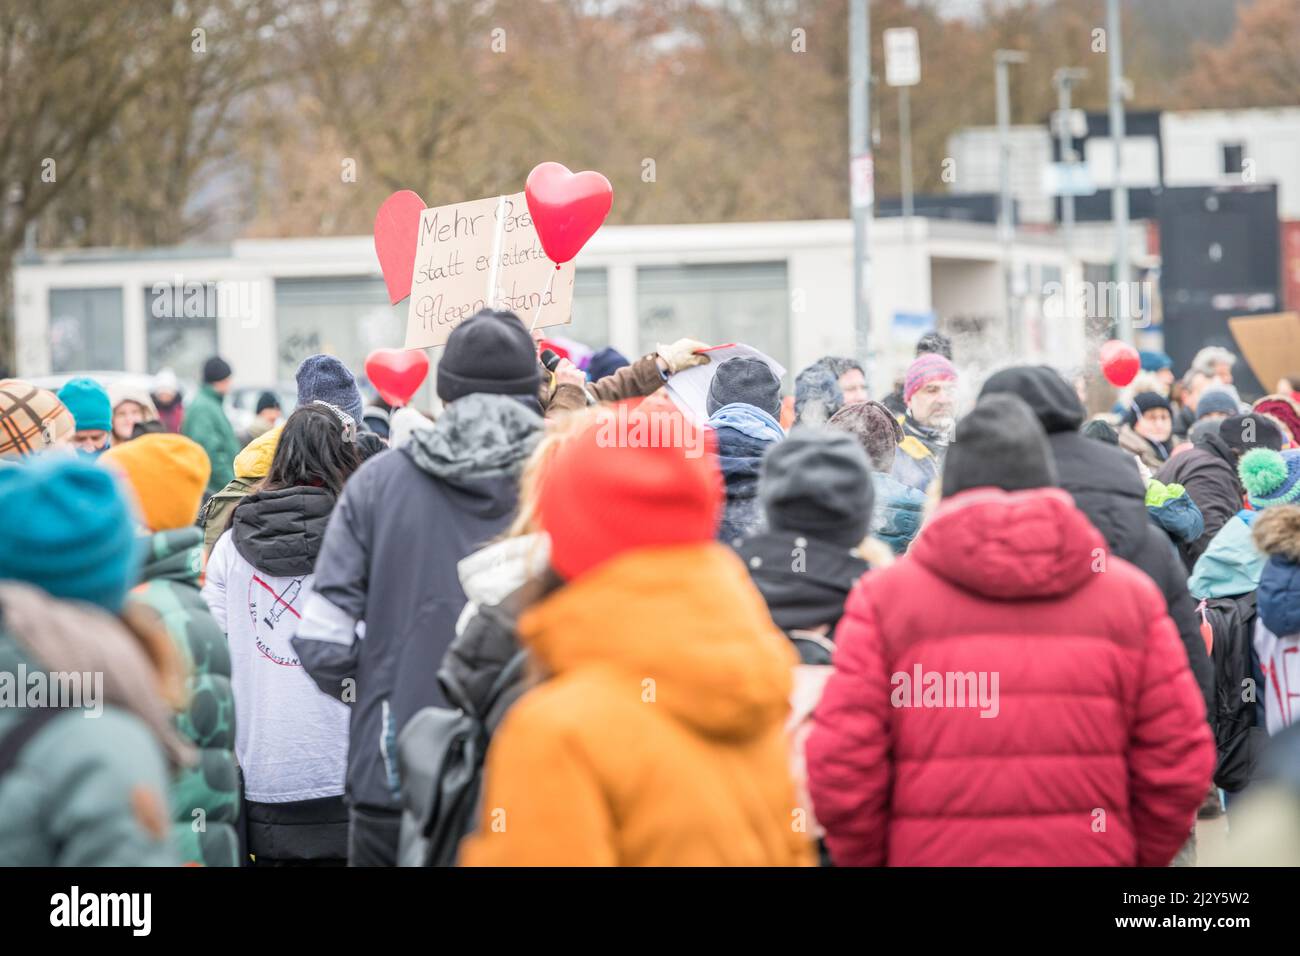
[[818, 482], [323, 378], [747, 380]]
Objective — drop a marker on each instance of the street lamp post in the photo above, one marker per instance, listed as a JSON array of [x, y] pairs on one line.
[[861, 169], [1119, 192], [1006, 226]]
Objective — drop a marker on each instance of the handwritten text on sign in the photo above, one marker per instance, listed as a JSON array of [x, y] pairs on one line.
[[453, 269]]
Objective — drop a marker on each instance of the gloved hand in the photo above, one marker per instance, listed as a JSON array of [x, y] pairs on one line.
[[566, 373], [681, 355]]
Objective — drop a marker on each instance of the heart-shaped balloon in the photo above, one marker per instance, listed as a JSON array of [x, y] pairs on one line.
[[567, 208], [1119, 362], [397, 231], [397, 373]]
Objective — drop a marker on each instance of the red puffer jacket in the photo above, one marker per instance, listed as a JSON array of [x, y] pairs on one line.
[[1094, 749]]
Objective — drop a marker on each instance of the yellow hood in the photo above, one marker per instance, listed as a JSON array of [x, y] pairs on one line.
[[255, 460]]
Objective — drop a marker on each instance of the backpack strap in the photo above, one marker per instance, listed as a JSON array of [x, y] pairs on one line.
[[509, 674], [1207, 630], [29, 725]]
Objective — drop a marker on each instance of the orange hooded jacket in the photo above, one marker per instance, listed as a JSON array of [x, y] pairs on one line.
[[657, 739]]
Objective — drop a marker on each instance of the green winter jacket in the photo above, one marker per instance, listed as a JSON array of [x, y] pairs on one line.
[[81, 790], [206, 423], [215, 516], [205, 797]]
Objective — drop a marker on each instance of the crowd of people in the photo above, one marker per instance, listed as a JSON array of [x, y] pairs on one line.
[[566, 621]]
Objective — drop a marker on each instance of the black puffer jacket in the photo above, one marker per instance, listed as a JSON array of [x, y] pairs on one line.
[[1208, 470], [280, 532], [804, 581], [1105, 484]]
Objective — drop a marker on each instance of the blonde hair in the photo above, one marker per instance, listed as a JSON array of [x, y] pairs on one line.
[[558, 430]]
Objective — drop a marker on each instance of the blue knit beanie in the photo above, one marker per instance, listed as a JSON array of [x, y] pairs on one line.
[[67, 528], [1216, 401], [607, 361], [1153, 361], [1270, 477], [324, 378], [88, 402]]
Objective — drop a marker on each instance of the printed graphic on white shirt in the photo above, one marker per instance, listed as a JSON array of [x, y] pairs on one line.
[[275, 615]]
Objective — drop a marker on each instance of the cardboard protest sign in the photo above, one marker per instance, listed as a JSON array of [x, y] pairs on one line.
[[689, 388], [1270, 344], [483, 254]]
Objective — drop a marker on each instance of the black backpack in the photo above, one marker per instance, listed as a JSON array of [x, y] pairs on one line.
[[1236, 737], [440, 755]]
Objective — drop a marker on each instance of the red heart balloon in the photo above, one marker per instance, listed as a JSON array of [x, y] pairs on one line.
[[1119, 362], [397, 373], [567, 208], [397, 231]]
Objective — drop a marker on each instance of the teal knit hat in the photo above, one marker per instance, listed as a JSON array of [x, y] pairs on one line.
[[66, 528], [89, 404], [1270, 477]]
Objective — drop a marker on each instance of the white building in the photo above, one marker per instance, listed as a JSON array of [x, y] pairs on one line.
[[783, 287], [975, 154], [1231, 147]]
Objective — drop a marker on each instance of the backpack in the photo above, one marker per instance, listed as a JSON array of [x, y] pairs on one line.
[[440, 756], [1231, 623], [29, 725]]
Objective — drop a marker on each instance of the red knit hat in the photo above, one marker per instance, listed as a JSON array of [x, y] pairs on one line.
[[642, 476]]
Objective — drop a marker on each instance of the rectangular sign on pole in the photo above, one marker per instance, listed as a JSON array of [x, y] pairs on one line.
[[902, 56], [862, 181], [458, 258], [1068, 179]]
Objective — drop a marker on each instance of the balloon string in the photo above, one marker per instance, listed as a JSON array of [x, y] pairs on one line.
[[538, 314]]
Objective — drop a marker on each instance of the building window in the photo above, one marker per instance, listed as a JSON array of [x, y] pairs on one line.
[[740, 302], [347, 318], [86, 330], [590, 324], [181, 327], [1232, 155]]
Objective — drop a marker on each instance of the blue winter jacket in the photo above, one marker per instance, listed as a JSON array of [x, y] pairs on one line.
[[896, 514], [1231, 565]]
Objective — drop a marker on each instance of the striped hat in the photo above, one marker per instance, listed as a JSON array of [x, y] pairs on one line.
[[1270, 477], [928, 367], [31, 419]]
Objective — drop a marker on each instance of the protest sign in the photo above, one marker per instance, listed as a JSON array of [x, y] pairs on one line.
[[689, 388], [1269, 343], [483, 254]]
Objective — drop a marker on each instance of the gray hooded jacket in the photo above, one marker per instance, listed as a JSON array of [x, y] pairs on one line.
[[387, 594]]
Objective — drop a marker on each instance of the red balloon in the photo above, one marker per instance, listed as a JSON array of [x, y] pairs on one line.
[[397, 373], [1119, 362], [567, 208], [397, 231]]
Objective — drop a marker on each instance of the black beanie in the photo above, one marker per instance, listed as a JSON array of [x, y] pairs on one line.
[[216, 369], [818, 482], [489, 352], [1000, 444], [1241, 433], [747, 380], [1047, 394], [267, 400], [1143, 402]]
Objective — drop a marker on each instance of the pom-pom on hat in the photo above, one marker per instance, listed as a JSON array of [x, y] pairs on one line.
[[1270, 477]]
